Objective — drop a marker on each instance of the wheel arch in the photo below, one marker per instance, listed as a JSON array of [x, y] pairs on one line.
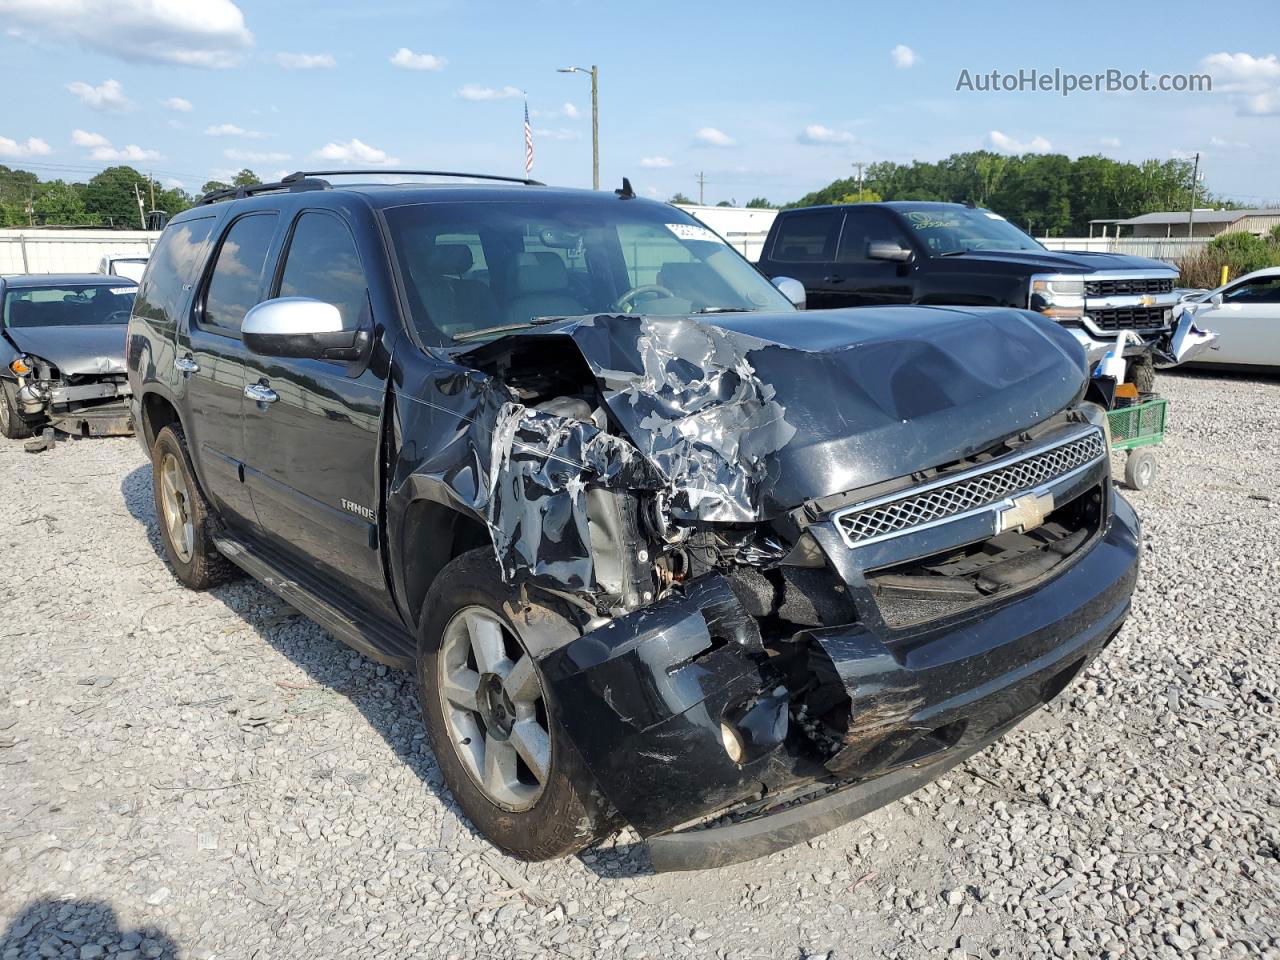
[[431, 535], [158, 412]]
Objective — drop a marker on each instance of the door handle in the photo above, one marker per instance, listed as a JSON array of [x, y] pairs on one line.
[[185, 365], [261, 393]]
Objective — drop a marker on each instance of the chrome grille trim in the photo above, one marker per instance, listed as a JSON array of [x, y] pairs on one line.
[[978, 489]]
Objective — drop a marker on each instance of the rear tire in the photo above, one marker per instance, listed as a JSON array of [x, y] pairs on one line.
[[1142, 373], [184, 515], [12, 424], [474, 736]]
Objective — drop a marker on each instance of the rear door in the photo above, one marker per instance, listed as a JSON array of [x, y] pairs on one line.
[[312, 451], [860, 280], [211, 358], [1247, 323], [804, 248]]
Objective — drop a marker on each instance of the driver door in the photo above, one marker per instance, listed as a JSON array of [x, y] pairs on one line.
[[1247, 322]]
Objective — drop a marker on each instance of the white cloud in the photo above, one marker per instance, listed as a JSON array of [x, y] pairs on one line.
[[354, 151], [904, 57], [251, 156], [208, 33], [1228, 144], [130, 153], [1252, 82], [173, 183], [473, 91], [180, 104], [1112, 142], [406, 59], [654, 162], [711, 137], [83, 138], [570, 111], [1007, 144], [31, 147], [231, 130], [306, 61], [560, 133], [108, 95], [818, 135]]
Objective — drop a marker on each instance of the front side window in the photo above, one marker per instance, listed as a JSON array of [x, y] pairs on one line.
[[236, 281], [947, 229], [71, 305], [174, 265], [863, 227], [807, 237], [558, 258], [1261, 290], [322, 264]]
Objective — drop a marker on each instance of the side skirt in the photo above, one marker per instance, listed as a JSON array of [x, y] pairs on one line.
[[372, 635]]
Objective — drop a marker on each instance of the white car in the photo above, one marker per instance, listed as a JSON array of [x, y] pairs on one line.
[[1245, 314], [130, 265]]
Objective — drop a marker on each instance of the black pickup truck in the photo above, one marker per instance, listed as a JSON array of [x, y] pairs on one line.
[[853, 255], [661, 549]]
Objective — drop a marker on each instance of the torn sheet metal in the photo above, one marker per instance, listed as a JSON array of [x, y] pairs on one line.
[[74, 350], [1187, 341]]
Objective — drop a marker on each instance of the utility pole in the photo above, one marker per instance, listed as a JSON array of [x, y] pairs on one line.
[[702, 182], [595, 119], [1195, 182], [137, 195], [858, 165], [151, 181]]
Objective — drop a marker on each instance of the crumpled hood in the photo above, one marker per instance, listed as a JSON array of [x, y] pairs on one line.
[[1066, 261], [97, 349], [746, 416]]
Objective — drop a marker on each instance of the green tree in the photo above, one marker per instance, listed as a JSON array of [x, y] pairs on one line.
[[212, 185], [245, 178], [759, 203], [861, 196], [110, 195], [59, 203], [724, 203], [680, 198]]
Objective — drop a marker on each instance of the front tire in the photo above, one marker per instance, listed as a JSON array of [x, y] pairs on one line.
[[494, 724], [12, 424], [184, 515], [1142, 373]]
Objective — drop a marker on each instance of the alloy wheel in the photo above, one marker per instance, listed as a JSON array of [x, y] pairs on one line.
[[494, 708], [175, 508]]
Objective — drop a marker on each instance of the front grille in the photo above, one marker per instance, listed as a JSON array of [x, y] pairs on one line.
[[859, 524], [1127, 318], [1124, 286]]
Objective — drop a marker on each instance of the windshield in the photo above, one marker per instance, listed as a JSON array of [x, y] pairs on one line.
[[949, 229], [69, 305], [474, 265]]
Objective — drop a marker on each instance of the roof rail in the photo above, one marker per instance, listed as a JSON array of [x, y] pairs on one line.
[[303, 174], [292, 184]]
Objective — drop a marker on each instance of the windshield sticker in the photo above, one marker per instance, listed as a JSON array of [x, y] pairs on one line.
[[692, 231], [930, 221], [118, 291]]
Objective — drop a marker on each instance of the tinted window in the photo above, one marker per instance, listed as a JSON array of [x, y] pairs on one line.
[[863, 228], [175, 263], [948, 228], [237, 274], [1262, 290], [69, 306], [323, 264], [807, 236]]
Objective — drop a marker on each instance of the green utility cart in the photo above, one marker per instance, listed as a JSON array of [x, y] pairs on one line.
[[1137, 428]]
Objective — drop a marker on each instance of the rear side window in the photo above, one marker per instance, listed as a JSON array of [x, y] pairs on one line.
[[1261, 290], [804, 237], [322, 263], [173, 267], [236, 281]]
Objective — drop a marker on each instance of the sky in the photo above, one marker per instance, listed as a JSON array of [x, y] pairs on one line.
[[764, 99]]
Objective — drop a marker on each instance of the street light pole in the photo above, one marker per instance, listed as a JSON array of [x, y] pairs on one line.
[[595, 119]]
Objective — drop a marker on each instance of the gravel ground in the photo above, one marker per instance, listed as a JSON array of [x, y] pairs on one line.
[[205, 775]]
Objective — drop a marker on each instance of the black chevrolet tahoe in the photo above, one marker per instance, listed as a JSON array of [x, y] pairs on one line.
[[852, 255], [660, 549]]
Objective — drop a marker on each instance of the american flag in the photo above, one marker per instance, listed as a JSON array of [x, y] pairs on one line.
[[528, 142]]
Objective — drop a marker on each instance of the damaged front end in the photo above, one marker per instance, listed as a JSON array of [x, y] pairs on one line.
[[811, 567], [93, 403]]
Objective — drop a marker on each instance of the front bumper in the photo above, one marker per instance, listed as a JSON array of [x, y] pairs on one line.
[[650, 690]]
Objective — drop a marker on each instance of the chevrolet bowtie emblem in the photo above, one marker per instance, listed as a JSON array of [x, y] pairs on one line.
[[1025, 513], [1148, 301]]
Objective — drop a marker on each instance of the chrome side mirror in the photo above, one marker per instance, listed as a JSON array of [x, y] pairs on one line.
[[792, 289], [1216, 299], [882, 250], [300, 327]]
